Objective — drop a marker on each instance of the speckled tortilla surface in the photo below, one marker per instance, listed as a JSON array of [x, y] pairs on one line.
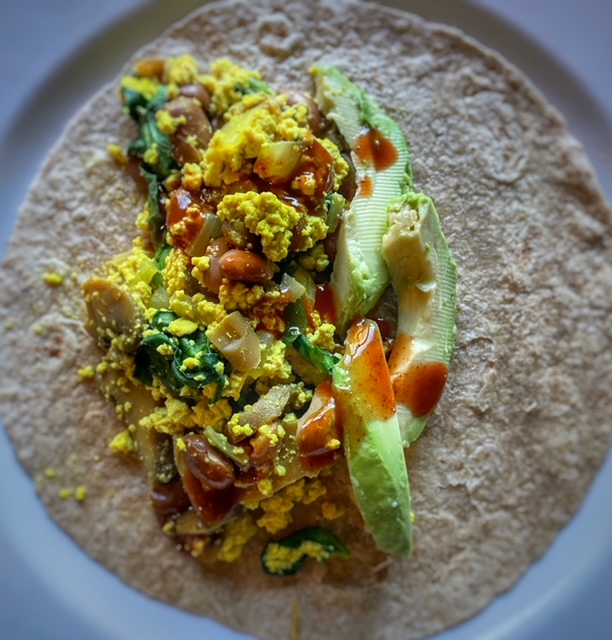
[[525, 421]]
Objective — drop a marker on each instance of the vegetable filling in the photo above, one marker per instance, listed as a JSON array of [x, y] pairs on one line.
[[224, 331]]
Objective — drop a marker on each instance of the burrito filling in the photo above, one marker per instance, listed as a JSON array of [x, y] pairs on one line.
[[287, 306]]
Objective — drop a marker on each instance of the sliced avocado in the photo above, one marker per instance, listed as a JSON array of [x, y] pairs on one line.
[[381, 159], [372, 440], [424, 277]]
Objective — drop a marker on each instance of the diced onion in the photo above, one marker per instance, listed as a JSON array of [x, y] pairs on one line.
[[211, 228], [236, 340], [290, 287], [278, 161]]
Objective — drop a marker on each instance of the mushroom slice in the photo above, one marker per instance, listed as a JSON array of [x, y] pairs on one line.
[[112, 314], [236, 340], [136, 402]]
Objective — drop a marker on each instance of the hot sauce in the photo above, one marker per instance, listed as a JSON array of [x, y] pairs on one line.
[[372, 147], [421, 386], [368, 370], [325, 304]]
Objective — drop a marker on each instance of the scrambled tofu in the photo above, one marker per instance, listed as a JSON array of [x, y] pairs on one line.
[[196, 357], [277, 509], [228, 83], [264, 215], [281, 559]]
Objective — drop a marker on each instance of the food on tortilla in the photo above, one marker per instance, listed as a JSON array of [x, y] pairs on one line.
[[246, 334], [524, 421]]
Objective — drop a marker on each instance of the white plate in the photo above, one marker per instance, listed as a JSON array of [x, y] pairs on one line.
[[53, 55]]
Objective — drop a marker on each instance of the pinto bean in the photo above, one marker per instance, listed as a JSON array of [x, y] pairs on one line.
[[192, 137], [207, 464], [198, 91], [150, 67], [169, 499], [213, 276], [316, 117], [245, 266]]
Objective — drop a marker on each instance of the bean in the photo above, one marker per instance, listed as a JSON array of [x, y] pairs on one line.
[[194, 135], [198, 91], [299, 241], [150, 67], [316, 118], [207, 464], [245, 266], [169, 499]]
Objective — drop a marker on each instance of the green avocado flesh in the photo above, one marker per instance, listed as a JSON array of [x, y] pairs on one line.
[[380, 155], [389, 234], [424, 277], [372, 440]]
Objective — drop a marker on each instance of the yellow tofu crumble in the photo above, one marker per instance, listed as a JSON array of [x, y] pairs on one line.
[[163, 311], [53, 278]]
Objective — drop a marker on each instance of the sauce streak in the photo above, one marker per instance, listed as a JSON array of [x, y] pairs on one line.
[[402, 350], [325, 304], [366, 187], [314, 437], [421, 386], [368, 370], [373, 148], [185, 217]]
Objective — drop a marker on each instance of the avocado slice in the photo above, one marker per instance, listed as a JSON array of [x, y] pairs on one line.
[[372, 439], [424, 277], [380, 155], [386, 214]]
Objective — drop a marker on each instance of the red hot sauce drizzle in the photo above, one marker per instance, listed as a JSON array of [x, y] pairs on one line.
[[325, 304], [368, 370], [373, 148], [366, 187], [421, 386]]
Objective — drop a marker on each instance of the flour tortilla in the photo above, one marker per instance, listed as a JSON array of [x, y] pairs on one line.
[[525, 420]]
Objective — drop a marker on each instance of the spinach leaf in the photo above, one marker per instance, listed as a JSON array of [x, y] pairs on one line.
[[162, 252], [295, 315], [168, 364], [328, 543], [157, 219], [320, 358], [137, 105], [143, 112], [134, 103], [254, 86]]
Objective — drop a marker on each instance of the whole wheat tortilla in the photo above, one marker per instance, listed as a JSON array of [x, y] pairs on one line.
[[525, 420]]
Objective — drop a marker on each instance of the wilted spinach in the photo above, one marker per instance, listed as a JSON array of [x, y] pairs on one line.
[[330, 545], [143, 112], [167, 363], [320, 358]]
